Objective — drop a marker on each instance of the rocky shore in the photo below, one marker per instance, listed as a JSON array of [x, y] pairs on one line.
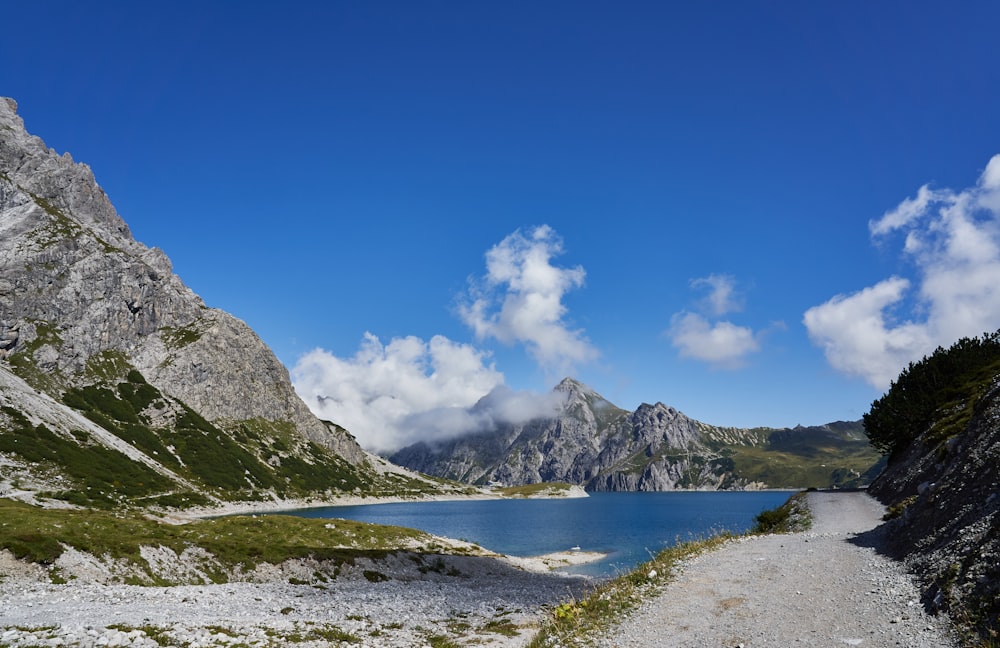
[[401, 601]]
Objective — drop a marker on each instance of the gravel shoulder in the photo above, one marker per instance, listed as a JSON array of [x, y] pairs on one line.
[[828, 586]]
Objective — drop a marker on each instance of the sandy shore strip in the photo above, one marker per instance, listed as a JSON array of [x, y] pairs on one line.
[[288, 505]]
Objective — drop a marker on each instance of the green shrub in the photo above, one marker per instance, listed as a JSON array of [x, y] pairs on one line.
[[790, 517], [937, 394], [98, 473]]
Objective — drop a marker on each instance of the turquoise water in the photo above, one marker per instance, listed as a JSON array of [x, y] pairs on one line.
[[630, 527]]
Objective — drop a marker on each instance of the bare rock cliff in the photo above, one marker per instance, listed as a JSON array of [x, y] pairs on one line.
[[74, 285]]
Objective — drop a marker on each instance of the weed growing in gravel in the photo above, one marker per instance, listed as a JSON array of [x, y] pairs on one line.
[[375, 576], [503, 627], [440, 641], [573, 623]]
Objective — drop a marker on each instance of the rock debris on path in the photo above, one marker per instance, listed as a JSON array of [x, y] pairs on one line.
[[824, 587]]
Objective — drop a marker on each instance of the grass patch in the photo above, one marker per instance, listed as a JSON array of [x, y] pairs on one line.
[[503, 627], [554, 489], [790, 517], [99, 476], [23, 362], [198, 449], [237, 543], [896, 510], [179, 337], [823, 467]]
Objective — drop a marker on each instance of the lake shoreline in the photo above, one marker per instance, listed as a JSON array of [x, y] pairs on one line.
[[277, 507], [394, 600]]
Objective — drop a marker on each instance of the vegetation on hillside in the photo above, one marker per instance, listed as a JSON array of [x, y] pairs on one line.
[[836, 455], [937, 394], [222, 547], [193, 461]]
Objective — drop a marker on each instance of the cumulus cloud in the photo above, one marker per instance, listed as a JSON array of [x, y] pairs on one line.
[[723, 344], [392, 395], [722, 297], [952, 240], [720, 343], [520, 300], [376, 391]]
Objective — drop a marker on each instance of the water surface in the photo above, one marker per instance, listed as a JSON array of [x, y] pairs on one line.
[[629, 527]]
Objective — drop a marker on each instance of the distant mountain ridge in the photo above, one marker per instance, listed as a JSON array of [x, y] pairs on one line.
[[118, 384], [602, 447]]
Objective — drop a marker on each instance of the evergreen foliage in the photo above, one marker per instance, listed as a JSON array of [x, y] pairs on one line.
[[937, 394]]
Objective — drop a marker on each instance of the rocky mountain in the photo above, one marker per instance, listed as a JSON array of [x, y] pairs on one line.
[[942, 481], [602, 447], [117, 382]]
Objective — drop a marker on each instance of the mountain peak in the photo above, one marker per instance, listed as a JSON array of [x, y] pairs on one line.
[[574, 386]]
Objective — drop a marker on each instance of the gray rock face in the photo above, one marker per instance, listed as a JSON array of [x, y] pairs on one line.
[[949, 530], [594, 444], [74, 284]]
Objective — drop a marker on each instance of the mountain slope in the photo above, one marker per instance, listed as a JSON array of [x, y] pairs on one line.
[[120, 367], [602, 447], [943, 478]]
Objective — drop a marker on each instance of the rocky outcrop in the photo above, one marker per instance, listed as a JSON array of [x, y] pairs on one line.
[[74, 284], [602, 447], [945, 491], [83, 304]]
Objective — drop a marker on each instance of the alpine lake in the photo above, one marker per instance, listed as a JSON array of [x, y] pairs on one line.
[[629, 527]]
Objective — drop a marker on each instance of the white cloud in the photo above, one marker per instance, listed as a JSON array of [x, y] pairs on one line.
[[906, 212], [520, 300], [722, 344], [392, 395], [501, 405], [722, 297], [953, 241], [856, 338], [374, 393]]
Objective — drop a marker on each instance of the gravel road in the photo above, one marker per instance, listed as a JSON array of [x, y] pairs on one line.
[[824, 587]]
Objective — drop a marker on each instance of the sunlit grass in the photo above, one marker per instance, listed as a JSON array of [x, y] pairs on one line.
[[529, 490], [233, 544]]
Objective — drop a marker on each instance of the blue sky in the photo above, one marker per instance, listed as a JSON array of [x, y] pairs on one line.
[[716, 205]]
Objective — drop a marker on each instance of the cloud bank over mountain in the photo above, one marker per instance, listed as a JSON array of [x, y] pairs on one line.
[[407, 390]]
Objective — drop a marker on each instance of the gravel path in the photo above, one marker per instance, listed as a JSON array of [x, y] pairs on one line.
[[825, 587]]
